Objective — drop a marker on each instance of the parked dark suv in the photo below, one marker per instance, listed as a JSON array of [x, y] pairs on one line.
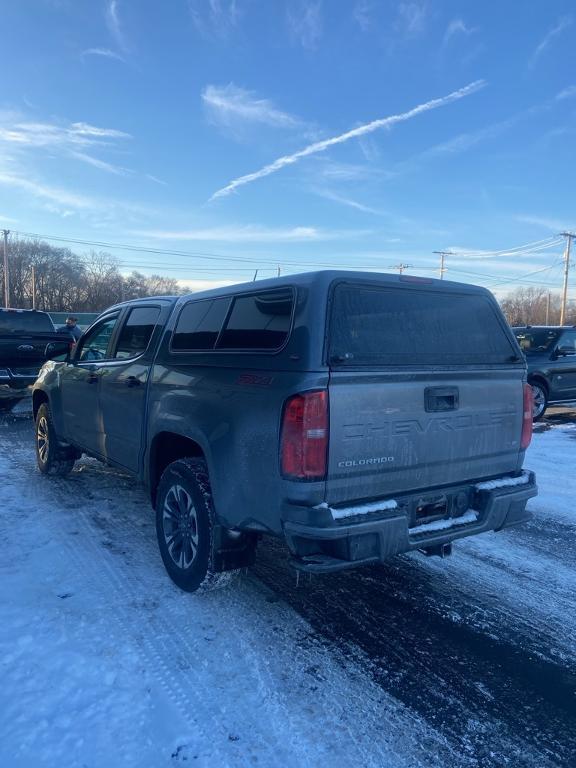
[[551, 355]]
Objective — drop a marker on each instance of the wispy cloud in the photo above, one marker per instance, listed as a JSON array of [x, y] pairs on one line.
[[456, 27], [46, 192], [411, 18], [562, 24], [102, 165], [362, 14], [349, 202], [332, 171], [362, 130], [215, 18], [250, 234], [305, 22], [114, 25], [567, 93], [64, 202], [21, 133], [105, 52], [550, 223], [230, 107]]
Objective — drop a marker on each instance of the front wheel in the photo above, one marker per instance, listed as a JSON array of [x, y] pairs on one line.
[[540, 400], [52, 459], [185, 523]]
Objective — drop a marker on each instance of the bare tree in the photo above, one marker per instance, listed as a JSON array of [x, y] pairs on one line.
[[531, 306], [66, 281]]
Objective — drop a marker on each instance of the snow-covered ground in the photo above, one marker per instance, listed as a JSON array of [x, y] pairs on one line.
[[104, 662]]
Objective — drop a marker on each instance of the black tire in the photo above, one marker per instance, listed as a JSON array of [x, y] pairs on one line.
[[7, 403], [52, 459], [540, 400], [185, 523]]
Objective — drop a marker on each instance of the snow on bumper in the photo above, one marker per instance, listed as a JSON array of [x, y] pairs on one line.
[[334, 539]]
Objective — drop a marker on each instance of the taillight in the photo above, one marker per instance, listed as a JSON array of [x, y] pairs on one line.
[[304, 440], [527, 417]]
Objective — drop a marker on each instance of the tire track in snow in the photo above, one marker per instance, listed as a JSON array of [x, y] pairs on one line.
[[124, 577], [487, 694]]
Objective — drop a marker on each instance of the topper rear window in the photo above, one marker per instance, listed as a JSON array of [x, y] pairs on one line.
[[383, 326]]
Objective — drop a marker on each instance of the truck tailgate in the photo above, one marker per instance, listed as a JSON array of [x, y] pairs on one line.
[[391, 433]]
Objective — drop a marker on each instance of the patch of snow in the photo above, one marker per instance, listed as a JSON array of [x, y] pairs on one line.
[[442, 525], [104, 662], [503, 482], [360, 509]]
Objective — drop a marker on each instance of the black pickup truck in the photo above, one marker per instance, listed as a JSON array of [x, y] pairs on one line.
[[355, 415], [24, 336]]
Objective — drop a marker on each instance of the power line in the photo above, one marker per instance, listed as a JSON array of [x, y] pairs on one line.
[[273, 262], [537, 245]]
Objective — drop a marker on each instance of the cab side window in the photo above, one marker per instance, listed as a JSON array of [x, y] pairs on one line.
[[94, 345], [568, 342], [136, 332]]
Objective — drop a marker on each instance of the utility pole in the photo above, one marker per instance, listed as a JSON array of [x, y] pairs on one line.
[[33, 287], [443, 255], [6, 276], [548, 309], [400, 267], [278, 270], [568, 236], [255, 276]]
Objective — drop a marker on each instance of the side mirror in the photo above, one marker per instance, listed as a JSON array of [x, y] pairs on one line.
[[57, 349]]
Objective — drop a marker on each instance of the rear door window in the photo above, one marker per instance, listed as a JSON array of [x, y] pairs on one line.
[[381, 326], [199, 325], [136, 332], [260, 321]]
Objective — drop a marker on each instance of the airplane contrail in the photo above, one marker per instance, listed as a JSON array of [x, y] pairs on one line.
[[361, 130]]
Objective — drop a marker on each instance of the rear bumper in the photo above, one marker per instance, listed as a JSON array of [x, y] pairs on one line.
[[336, 546]]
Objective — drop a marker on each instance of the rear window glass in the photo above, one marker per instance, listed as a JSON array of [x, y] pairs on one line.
[[25, 322], [378, 326], [534, 340], [199, 324], [261, 321], [137, 331]]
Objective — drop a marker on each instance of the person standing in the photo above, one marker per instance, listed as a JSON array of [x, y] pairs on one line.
[[72, 327]]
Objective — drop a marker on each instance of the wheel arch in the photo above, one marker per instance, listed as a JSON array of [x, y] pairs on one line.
[[165, 448], [38, 397], [538, 378]]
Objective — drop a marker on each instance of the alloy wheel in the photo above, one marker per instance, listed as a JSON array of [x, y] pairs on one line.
[[42, 439], [539, 400], [180, 526]]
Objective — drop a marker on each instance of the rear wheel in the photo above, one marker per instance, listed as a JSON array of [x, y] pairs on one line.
[[185, 526], [52, 459], [540, 400]]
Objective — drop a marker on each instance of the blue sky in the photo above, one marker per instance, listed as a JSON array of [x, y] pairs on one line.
[[365, 133]]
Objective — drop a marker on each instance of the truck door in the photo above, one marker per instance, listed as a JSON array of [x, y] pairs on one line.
[[123, 383], [79, 384]]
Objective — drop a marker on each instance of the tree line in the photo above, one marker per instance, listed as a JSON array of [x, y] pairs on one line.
[[536, 306], [71, 282]]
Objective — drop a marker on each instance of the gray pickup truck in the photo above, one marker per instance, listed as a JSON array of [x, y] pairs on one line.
[[356, 415]]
